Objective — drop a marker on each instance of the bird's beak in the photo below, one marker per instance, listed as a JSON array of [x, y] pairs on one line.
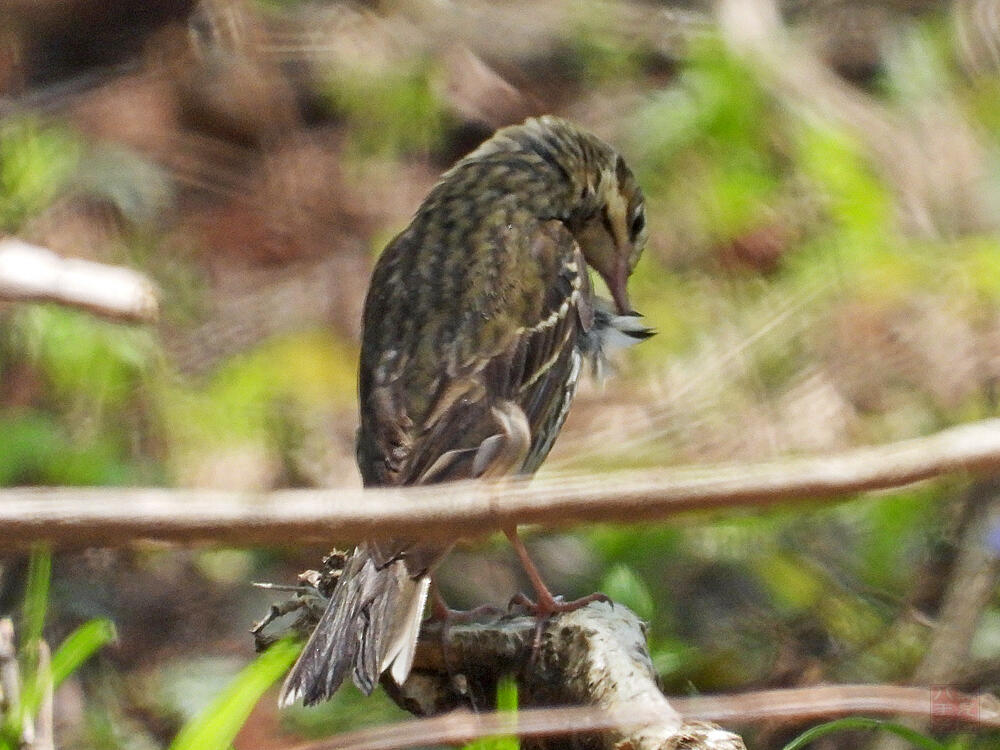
[[619, 292]]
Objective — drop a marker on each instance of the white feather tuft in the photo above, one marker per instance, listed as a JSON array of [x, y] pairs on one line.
[[401, 651]]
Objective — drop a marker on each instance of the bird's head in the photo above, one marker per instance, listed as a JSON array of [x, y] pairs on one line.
[[603, 206], [613, 235]]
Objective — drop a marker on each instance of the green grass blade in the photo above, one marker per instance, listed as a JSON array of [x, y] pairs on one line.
[[79, 646], [912, 736], [506, 701], [36, 595], [216, 726], [34, 608]]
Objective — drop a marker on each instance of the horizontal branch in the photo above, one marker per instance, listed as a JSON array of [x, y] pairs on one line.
[[463, 726], [115, 516], [819, 702], [32, 273], [785, 705]]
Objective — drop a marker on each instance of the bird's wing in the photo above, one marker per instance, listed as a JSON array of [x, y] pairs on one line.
[[494, 409]]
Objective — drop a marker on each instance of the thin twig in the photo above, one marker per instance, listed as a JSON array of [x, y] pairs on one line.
[[44, 719], [10, 673], [112, 517], [11, 688]]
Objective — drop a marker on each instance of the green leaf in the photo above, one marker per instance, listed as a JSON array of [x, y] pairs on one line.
[[506, 701], [35, 163], [79, 646], [36, 594], [507, 694], [623, 585], [859, 722], [217, 725], [392, 112]]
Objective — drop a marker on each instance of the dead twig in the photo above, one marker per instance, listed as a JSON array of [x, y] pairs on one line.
[[44, 720], [10, 674]]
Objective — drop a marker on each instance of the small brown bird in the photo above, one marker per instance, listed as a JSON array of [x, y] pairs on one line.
[[478, 318]]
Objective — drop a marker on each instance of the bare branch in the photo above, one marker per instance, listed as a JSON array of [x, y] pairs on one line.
[[28, 272], [795, 704], [829, 701], [112, 517], [596, 660], [462, 726], [10, 672]]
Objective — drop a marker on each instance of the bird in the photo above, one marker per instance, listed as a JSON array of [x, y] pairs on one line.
[[478, 320]]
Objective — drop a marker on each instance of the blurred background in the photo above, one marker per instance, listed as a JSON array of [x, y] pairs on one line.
[[823, 194]]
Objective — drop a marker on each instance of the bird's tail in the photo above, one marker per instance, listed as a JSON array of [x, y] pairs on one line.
[[370, 625]]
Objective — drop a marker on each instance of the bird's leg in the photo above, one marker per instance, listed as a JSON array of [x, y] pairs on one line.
[[439, 607], [545, 605], [440, 613]]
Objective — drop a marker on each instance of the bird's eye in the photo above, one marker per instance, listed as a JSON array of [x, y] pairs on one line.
[[638, 222]]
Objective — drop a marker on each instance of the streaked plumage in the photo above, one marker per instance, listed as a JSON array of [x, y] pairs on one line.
[[477, 321]]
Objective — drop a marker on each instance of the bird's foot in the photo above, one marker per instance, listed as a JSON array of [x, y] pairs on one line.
[[546, 606]]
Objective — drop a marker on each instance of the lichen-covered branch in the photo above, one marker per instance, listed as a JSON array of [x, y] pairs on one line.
[[595, 656]]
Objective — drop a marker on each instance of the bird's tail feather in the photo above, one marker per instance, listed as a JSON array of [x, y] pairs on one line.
[[370, 625]]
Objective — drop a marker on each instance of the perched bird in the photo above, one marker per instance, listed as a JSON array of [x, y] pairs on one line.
[[477, 321]]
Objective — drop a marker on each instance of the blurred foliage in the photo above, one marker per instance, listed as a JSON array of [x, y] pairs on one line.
[[92, 375], [82, 643], [237, 404], [623, 585], [389, 112], [35, 163]]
